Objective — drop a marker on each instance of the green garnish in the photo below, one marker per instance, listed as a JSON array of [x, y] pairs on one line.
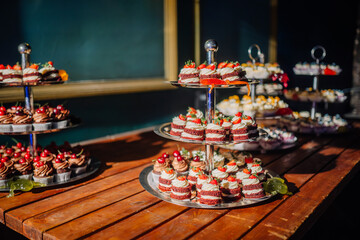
[[276, 185], [22, 185]]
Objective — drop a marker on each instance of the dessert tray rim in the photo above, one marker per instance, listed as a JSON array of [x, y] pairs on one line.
[[24, 84], [197, 85]]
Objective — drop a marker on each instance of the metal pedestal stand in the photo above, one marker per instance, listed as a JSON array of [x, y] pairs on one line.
[[316, 77]]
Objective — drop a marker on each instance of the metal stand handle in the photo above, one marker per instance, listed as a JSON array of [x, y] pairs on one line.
[[259, 56], [316, 77]]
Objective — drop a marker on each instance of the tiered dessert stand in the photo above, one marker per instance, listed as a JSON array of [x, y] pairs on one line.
[[25, 51], [146, 177]]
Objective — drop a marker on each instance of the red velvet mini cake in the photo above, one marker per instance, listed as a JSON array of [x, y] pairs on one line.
[[215, 132], [180, 189], [252, 187], [230, 189], [210, 193], [194, 130], [165, 179], [189, 74], [178, 125]]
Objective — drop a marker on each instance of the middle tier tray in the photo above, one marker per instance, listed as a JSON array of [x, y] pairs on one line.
[[198, 85], [163, 130]]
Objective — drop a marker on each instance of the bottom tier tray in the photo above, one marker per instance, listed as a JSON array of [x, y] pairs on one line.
[[243, 147], [149, 184], [91, 169]]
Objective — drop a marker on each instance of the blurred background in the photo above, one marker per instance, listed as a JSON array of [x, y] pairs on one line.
[[118, 54]]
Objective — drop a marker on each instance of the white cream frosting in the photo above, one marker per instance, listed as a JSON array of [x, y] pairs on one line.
[[199, 153], [210, 187], [181, 184], [214, 126], [214, 135], [178, 121], [165, 175], [219, 174], [229, 185], [238, 126], [189, 71], [256, 168], [254, 191], [194, 126], [250, 181], [206, 71], [241, 175], [188, 135], [227, 124], [180, 193], [232, 168], [209, 197], [202, 181], [177, 130]]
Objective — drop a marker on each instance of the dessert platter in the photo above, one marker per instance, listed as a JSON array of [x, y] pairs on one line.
[[304, 68], [308, 95], [34, 166], [207, 179], [268, 89]]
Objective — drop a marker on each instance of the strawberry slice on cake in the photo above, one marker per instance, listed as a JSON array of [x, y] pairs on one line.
[[194, 130], [178, 125], [180, 189], [252, 187], [210, 193], [189, 73]]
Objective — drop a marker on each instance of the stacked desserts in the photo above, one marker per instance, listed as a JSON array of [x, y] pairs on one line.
[[326, 95], [314, 69], [273, 89], [260, 70], [52, 164], [229, 181], [18, 119], [192, 126]]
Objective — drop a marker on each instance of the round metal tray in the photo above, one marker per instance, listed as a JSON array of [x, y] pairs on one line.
[[240, 147], [22, 84], [198, 85], [163, 130], [149, 184], [91, 169], [74, 122]]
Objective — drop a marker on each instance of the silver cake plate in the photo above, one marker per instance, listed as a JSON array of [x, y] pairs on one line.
[[163, 130], [198, 85], [258, 148], [150, 185]]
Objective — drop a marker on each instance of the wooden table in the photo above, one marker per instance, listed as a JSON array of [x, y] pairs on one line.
[[113, 204]]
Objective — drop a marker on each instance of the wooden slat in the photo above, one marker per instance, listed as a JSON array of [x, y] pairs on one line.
[[34, 227], [103, 217]]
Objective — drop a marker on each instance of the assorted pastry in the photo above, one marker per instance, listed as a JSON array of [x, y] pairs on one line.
[[18, 119], [326, 95], [262, 107], [260, 70], [314, 69], [301, 122], [236, 176], [193, 126], [272, 89], [51, 164], [33, 74]]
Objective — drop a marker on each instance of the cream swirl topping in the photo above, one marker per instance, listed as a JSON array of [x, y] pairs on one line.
[[180, 166], [207, 71], [178, 121], [195, 126], [232, 168], [180, 183], [219, 174], [21, 119], [241, 175], [238, 126], [168, 176], [250, 181], [78, 161], [210, 187], [23, 167], [43, 171], [189, 71], [61, 165], [214, 126], [5, 119], [229, 185], [255, 168]]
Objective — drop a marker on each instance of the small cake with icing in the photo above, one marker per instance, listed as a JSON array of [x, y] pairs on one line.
[[31, 74], [5, 120], [178, 125], [202, 178], [24, 169], [215, 132], [62, 169], [180, 165], [228, 72], [6, 174], [239, 130], [252, 187], [43, 173], [197, 162], [241, 175], [193, 114], [166, 178], [159, 165], [49, 73], [231, 168], [194, 130], [180, 189], [12, 74], [230, 189], [2, 68], [220, 173], [210, 193], [60, 116], [41, 120], [189, 73], [78, 163], [209, 72], [193, 175], [22, 122]]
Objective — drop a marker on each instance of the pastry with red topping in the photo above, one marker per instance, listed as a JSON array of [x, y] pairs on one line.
[[251, 126], [239, 130], [193, 114], [215, 132], [252, 187], [78, 163], [159, 165], [5, 120], [2, 68], [12, 74], [41, 120], [231, 168], [210, 193], [178, 125], [61, 116], [189, 73], [230, 189], [245, 173], [180, 189], [193, 175], [180, 165], [6, 174], [31, 74], [220, 173], [202, 178], [22, 122], [228, 72], [166, 178], [62, 169], [209, 72], [49, 73], [194, 130], [24, 169], [43, 173], [197, 162]]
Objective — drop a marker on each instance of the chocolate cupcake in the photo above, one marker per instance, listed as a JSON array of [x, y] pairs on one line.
[[24, 169], [78, 163], [41, 119], [21, 121], [6, 174], [62, 169], [61, 117], [5, 121], [43, 173]]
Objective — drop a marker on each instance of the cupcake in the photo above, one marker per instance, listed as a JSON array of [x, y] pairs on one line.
[[197, 162], [23, 169], [78, 163], [21, 121], [230, 189], [252, 187], [17, 156], [194, 130], [210, 193], [241, 175], [231, 168], [159, 165], [220, 173], [47, 156], [202, 178], [185, 154], [43, 173], [215, 132], [180, 189], [60, 116], [5, 120], [165, 180], [12, 74], [209, 72], [41, 119], [180, 166], [228, 72], [49, 73], [189, 73], [31, 74], [62, 170], [193, 175], [8, 163], [178, 125], [6, 174]]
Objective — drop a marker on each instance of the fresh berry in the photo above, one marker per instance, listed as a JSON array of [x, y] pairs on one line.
[[19, 144], [161, 160], [2, 108], [230, 65], [189, 64], [232, 163], [39, 164], [19, 108], [239, 114], [197, 121], [60, 107], [43, 154], [22, 161], [249, 160], [4, 159], [36, 159], [51, 63], [58, 160], [2, 113], [27, 156], [182, 117], [201, 66], [176, 153], [165, 155], [73, 156], [214, 182], [17, 154], [222, 65], [180, 158], [2, 66], [46, 151], [237, 121], [181, 178], [197, 169], [9, 151], [211, 66], [252, 177], [16, 67], [196, 159], [8, 67], [60, 156], [231, 179], [34, 66], [256, 165], [2, 146], [23, 149], [169, 171], [247, 171], [221, 169], [203, 177], [247, 117]]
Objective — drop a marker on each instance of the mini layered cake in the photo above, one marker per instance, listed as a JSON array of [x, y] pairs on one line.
[[241, 175], [12, 74], [2, 68], [202, 179], [215, 132], [165, 180], [49, 73], [210, 193], [193, 114], [189, 74], [239, 130], [252, 187], [227, 126], [209, 72], [193, 175], [180, 189], [31, 74], [220, 173], [258, 170], [228, 72], [230, 189], [231, 168], [194, 130], [42, 120], [251, 126], [178, 125]]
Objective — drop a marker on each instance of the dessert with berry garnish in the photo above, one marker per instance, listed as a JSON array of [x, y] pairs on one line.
[[8, 162], [210, 193], [231, 168], [62, 169], [12, 74], [47, 156], [178, 125], [21, 121], [209, 72], [239, 130], [31, 74], [180, 165], [194, 130], [189, 73], [197, 162], [159, 165], [41, 120], [43, 173], [9, 152], [259, 171], [2, 68], [228, 72], [252, 187], [49, 73], [180, 189], [5, 120], [6, 174], [61, 117], [227, 126], [24, 169], [219, 173], [202, 178], [214, 132], [16, 157], [78, 163], [230, 189], [166, 178], [241, 175], [186, 155], [193, 175], [193, 114], [251, 126]]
